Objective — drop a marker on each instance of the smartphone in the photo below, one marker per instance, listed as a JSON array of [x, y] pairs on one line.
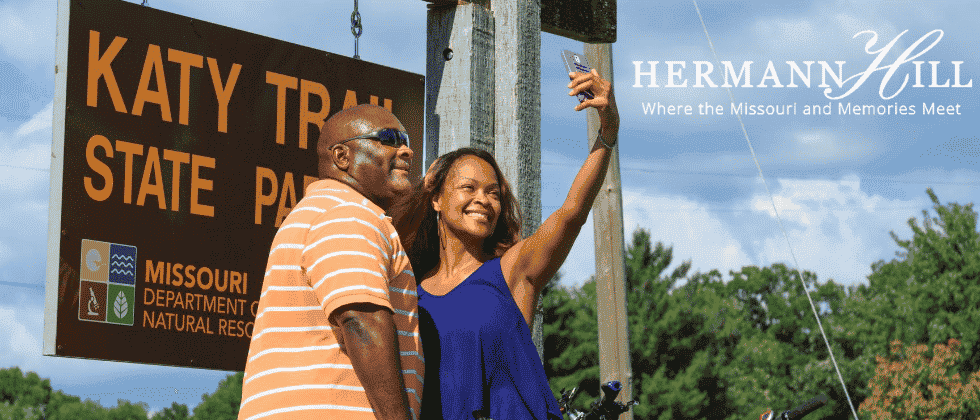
[[577, 62]]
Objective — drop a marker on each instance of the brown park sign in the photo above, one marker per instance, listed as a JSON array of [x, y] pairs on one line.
[[179, 147]]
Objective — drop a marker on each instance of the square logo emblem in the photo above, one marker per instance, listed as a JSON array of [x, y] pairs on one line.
[[120, 303], [92, 301], [122, 264], [95, 261], [107, 283]]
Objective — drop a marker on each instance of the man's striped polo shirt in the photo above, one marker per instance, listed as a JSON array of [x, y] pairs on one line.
[[335, 248]]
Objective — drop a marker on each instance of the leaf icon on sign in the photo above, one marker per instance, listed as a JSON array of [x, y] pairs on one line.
[[121, 306]]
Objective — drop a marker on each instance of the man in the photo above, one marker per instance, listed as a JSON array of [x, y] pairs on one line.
[[336, 332]]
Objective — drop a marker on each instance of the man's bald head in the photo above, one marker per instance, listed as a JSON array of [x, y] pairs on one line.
[[379, 172], [361, 119]]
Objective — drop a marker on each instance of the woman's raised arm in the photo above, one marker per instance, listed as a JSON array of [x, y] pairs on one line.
[[532, 262]]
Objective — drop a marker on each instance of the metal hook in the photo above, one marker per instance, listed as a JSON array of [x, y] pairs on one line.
[[356, 29]]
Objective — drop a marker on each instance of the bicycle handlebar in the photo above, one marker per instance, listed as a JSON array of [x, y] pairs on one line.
[[603, 408], [798, 412]]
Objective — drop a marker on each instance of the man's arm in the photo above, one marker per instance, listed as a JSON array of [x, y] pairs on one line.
[[367, 335]]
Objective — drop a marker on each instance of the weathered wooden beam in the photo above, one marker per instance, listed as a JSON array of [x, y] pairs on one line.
[[591, 21], [459, 89], [518, 113], [607, 213]]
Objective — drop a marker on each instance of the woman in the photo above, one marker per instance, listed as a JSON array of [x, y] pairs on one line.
[[480, 282]]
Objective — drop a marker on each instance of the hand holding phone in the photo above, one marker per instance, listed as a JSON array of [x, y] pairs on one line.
[[592, 91], [577, 62]]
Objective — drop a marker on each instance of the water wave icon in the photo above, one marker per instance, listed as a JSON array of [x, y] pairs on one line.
[[122, 264]]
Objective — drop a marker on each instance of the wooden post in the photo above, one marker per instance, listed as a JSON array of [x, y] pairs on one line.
[[607, 213], [472, 102], [518, 114], [459, 88]]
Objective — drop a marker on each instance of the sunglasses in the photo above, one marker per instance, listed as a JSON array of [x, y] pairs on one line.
[[387, 136]]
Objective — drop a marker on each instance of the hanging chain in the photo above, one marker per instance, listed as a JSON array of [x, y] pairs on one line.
[[355, 28]]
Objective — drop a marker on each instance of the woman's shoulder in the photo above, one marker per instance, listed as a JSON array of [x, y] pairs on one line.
[[490, 275], [436, 283]]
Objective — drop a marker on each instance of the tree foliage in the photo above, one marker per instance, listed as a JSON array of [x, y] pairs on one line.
[[707, 347], [931, 293], [911, 383], [125, 410], [174, 412], [28, 397], [22, 396], [224, 403]]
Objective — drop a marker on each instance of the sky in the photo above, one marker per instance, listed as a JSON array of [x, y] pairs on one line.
[[840, 182]]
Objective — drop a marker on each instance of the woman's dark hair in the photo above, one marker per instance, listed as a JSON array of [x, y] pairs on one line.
[[415, 219]]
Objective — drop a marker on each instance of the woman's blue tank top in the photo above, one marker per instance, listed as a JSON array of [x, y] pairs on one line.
[[479, 354]]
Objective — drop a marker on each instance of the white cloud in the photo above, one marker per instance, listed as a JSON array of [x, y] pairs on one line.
[[835, 229], [694, 232], [40, 121], [22, 191], [28, 29], [21, 345], [29, 146], [824, 33]]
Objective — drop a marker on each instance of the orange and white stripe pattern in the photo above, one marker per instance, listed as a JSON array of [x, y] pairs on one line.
[[334, 248]]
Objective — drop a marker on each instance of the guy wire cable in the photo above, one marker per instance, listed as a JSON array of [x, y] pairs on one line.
[[778, 219]]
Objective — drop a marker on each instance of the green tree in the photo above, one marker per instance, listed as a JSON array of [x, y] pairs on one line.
[[705, 349], [679, 349], [781, 359], [14, 412], [69, 407], [22, 396], [677, 340], [224, 403], [571, 341], [174, 412], [930, 293], [125, 410]]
